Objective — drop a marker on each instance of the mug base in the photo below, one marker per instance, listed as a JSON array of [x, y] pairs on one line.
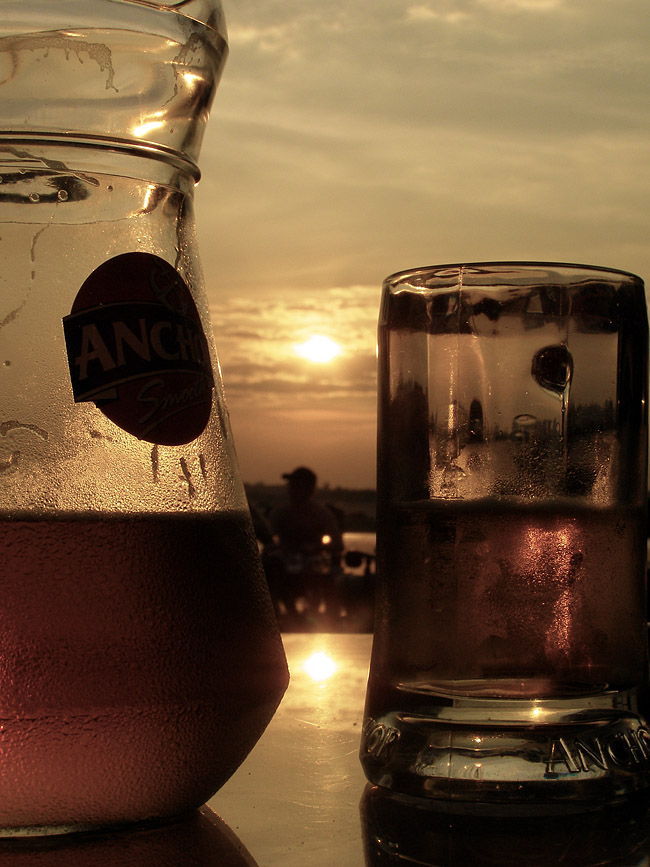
[[576, 750]]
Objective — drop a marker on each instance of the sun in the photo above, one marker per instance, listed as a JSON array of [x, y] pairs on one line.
[[318, 348]]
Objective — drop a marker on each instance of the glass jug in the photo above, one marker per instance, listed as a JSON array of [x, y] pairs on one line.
[[139, 657]]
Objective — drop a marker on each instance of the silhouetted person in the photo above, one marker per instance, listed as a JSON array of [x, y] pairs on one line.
[[309, 539]]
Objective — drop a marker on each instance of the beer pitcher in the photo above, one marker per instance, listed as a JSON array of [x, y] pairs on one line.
[[140, 660]]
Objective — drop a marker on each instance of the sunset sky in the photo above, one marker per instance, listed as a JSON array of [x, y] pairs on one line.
[[354, 138]]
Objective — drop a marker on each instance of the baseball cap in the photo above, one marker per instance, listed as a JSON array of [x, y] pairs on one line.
[[301, 474]]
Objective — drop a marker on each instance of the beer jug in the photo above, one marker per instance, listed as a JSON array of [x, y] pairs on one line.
[[139, 657]]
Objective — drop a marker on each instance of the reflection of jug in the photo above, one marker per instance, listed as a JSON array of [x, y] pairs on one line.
[[199, 839], [139, 657]]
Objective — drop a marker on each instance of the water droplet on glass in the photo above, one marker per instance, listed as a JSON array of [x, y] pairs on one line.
[[525, 418], [552, 368], [34, 197], [62, 195]]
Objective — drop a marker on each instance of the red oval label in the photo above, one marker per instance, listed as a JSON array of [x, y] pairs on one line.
[[136, 349]]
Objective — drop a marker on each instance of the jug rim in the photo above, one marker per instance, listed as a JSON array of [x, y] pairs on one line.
[[207, 12]]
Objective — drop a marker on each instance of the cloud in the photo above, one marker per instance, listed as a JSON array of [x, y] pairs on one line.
[[527, 5], [357, 61], [266, 39], [374, 142], [259, 360], [427, 12]]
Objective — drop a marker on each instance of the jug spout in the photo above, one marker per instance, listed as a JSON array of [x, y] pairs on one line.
[[120, 72]]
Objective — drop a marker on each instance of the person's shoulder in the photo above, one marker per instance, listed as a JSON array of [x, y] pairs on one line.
[[278, 511], [321, 509]]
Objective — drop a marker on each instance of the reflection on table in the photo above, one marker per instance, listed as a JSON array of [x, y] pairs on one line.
[[300, 799], [198, 840], [295, 800], [401, 831]]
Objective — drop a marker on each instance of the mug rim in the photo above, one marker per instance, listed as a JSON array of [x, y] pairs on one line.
[[521, 266]]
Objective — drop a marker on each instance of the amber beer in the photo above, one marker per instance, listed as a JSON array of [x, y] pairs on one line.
[[139, 664], [509, 661]]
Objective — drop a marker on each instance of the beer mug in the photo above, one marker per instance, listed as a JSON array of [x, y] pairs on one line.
[[140, 657], [509, 662]]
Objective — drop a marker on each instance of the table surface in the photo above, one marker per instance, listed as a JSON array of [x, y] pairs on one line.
[[295, 800], [300, 798]]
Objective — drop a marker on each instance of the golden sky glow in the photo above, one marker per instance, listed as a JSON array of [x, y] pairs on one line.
[[350, 140]]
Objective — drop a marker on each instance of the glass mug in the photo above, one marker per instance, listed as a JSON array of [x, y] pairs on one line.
[[509, 661], [140, 660]]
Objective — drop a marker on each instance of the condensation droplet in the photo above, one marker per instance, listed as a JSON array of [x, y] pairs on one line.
[[525, 418], [552, 368], [34, 197], [62, 195]]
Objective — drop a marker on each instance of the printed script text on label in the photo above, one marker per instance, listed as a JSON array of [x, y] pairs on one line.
[[116, 343]]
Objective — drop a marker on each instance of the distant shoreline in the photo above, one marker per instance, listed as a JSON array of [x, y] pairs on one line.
[[354, 508]]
